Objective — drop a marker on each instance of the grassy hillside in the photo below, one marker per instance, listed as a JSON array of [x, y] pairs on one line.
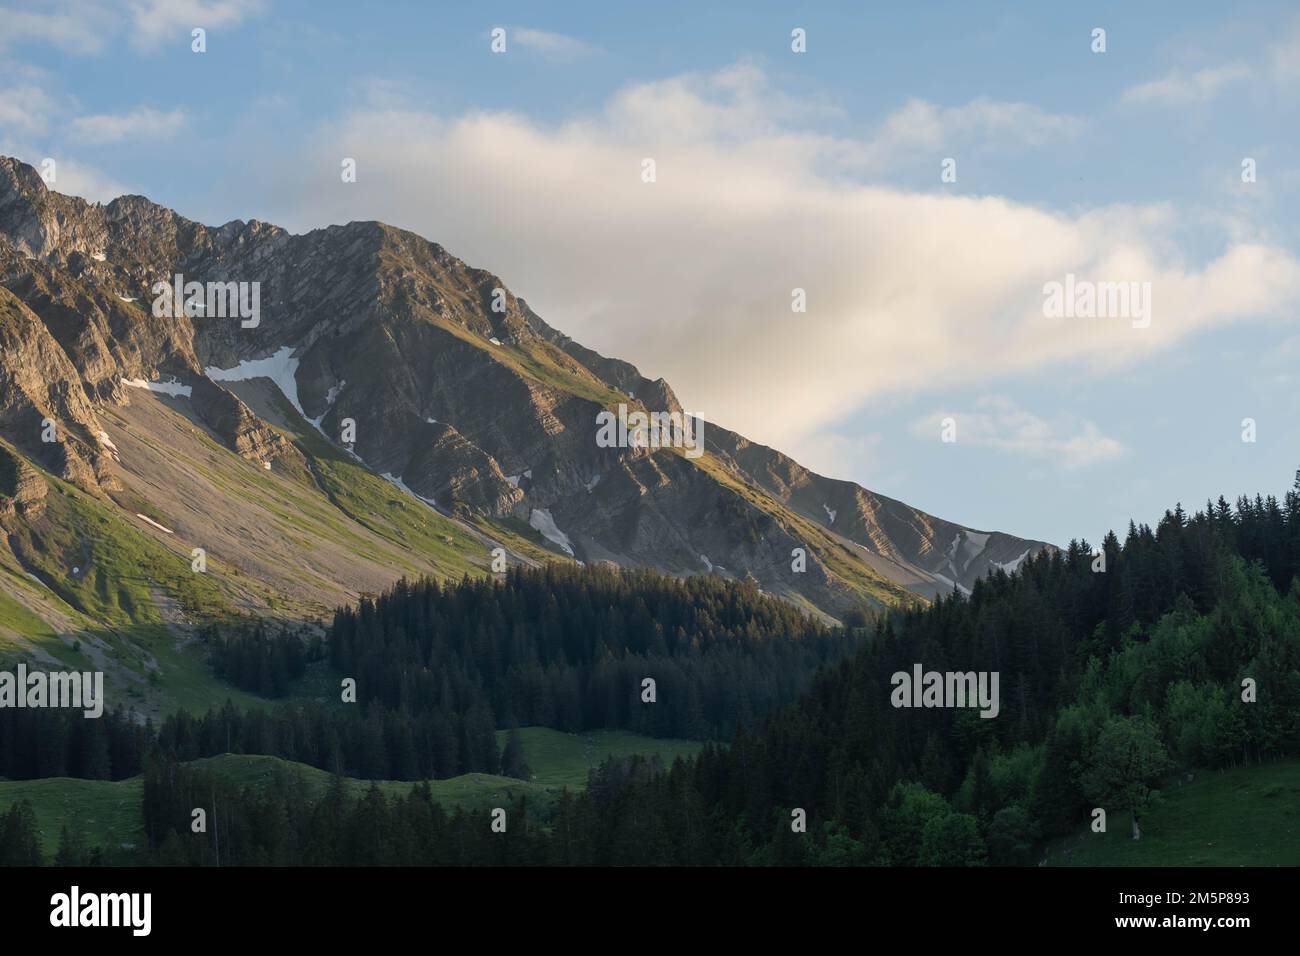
[[86, 587], [90, 585], [1244, 817], [19, 625], [106, 568], [470, 790], [558, 760], [108, 812]]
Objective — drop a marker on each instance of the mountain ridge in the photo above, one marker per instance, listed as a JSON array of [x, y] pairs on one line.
[[449, 386]]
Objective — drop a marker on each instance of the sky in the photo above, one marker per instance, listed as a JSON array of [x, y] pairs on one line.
[[924, 173]]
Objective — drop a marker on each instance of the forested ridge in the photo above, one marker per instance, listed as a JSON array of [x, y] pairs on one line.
[[440, 667], [568, 647], [1176, 648]]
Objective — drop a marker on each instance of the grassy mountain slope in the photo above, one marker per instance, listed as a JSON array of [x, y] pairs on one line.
[[90, 571], [1242, 817]]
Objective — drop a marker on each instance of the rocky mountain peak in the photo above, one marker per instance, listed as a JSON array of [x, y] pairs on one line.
[[436, 376]]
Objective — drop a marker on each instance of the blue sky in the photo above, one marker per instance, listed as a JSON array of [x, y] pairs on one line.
[[777, 171]]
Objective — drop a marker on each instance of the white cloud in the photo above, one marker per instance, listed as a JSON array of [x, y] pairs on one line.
[[553, 46], [141, 123], [381, 93], [1277, 70], [1181, 88], [72, 27], [736, 104], [84, 27], [72, 177], [1285, 59], [75, 178], [690, 277], [156, 21], [920, 125], [997, 422], [24, 109]]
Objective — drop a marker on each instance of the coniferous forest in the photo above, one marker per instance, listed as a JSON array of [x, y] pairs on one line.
[[1173, 650]]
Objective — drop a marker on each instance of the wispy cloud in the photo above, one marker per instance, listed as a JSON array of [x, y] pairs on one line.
[[141, 123], [71, 26], [1276, 69], [988, 123], [1183, 88], [85, 27], [552, 46], [997, 422], [24, 109], [1284, 57], [904, 289], [76, 178], [155, 21]]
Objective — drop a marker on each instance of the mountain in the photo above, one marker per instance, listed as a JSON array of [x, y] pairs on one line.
[[377, 408]]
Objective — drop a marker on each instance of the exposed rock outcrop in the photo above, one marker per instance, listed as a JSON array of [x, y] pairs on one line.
[[452, 385], [235, 424]]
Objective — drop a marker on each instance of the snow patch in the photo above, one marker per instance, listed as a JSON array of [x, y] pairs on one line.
[[593, 483], [975, 543], [951, 583], [541, 520], [707, 563], [98, 256], [170, 387], [494, 340], [149, 520], [829, 513], [403, 485], [431, 421], [281, 368], [330, 398], [1012, 566], [971, 544]]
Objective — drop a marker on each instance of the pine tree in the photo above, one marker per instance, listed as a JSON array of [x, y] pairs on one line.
[[20, 843], [512, 758]]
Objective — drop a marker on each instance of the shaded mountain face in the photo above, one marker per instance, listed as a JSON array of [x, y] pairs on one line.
[[371, 347]]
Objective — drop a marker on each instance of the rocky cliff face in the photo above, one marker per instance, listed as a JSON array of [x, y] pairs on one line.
[[22, 489], [436, 376], [238, 428]]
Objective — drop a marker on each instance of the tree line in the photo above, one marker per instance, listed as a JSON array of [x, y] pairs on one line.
[[1178, 647], [569, 647], [439, 668]]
